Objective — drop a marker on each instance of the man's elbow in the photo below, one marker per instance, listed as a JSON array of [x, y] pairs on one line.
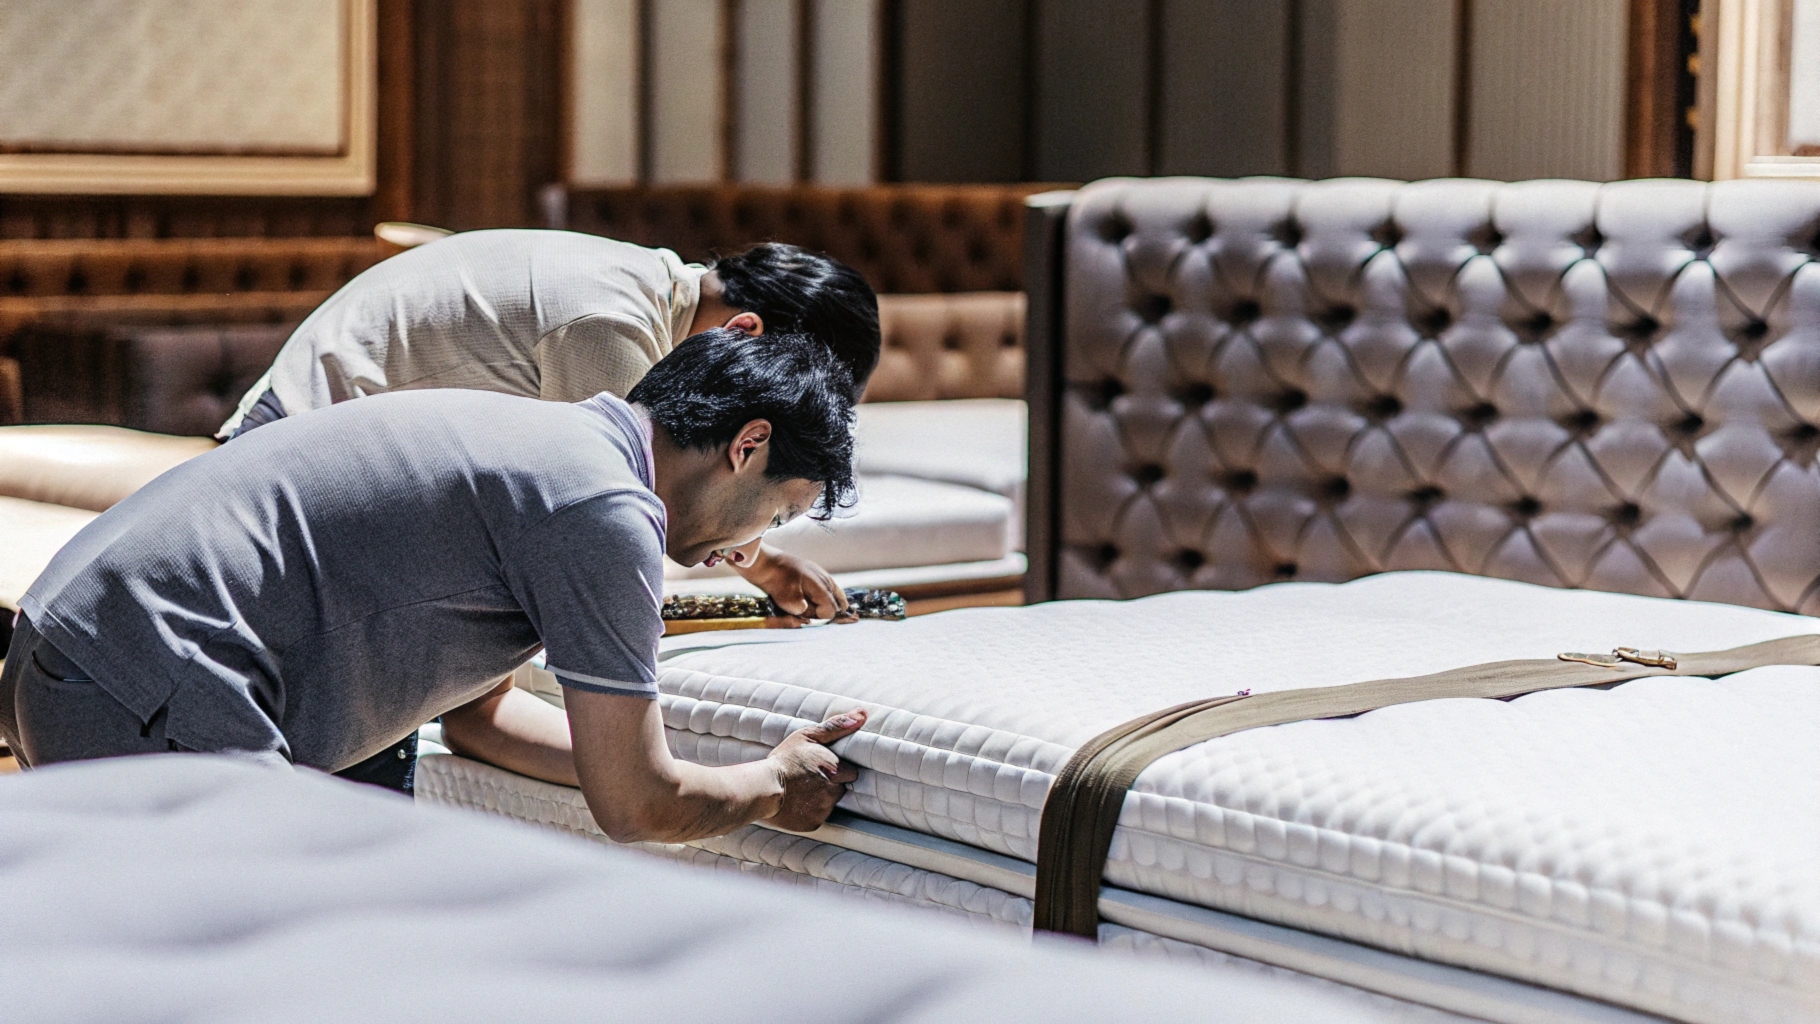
[[652, 820]]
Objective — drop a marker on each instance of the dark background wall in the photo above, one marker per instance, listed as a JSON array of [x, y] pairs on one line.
[[471, 122]]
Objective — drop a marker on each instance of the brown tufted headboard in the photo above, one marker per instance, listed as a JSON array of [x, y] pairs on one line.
[[1609, 386], [903, 238]]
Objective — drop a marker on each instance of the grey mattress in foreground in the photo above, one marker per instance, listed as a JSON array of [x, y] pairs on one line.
[[190, 888]]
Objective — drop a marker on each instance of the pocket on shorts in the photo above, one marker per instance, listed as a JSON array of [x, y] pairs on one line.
[[72, 677]]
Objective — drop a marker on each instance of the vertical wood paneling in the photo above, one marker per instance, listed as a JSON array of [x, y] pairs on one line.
[[1225, 103], [1093, 89], [603, 91], [1383, 74], [960, 90], [488, 83], [765, 91], [844, 106], [1547, 85], [685, 134]]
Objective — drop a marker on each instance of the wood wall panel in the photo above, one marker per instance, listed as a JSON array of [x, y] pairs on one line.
[[767, 94], [1547, 89], [603, 82], [489, 76], [1226, 96], [844, 53], [961, 110], [1093, 88]]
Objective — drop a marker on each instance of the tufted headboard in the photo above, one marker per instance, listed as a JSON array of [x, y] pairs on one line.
[[1580, 385]]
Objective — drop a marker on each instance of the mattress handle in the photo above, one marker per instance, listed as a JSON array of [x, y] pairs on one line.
[[1084, 804]]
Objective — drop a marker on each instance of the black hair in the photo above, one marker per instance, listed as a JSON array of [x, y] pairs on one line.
[[718, 381], [803, 292]]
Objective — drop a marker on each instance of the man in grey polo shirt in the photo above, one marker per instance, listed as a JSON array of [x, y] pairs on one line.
[[563, 316], [321, 587]]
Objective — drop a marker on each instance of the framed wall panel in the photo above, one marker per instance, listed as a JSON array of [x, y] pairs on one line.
[[685, 43], [1766, 102], [845, 60], [253, 97], [767, 90], [604, 77]]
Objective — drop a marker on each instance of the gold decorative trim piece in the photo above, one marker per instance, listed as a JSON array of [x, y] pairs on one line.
[[350, 173]]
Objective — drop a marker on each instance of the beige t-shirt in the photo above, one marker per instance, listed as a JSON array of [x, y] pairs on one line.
[[556, 315]]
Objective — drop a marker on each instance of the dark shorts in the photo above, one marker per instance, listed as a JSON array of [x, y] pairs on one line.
[[52, 710], [266, 410]]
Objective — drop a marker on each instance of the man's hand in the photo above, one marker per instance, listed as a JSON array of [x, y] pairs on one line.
[[799, 586], [814, 779]]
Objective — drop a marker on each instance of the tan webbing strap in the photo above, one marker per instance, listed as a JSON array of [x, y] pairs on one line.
[[1083, 806]]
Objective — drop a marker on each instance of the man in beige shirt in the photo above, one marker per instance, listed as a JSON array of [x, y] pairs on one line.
[[564, 316]]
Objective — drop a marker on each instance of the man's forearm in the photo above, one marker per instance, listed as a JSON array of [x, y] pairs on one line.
[[637, 791], [516, 731]]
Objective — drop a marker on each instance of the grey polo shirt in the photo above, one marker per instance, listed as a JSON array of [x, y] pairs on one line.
[[329, 582], [556, 315]]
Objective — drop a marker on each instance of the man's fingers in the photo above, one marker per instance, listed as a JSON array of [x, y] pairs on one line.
[[843, 774], [841, 725]]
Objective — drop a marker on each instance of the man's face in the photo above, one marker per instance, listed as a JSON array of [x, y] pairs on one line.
[[737, 514]]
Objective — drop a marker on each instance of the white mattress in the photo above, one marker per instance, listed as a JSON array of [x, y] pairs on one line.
[[976, 442], [31, 532], [810, 862], [899, 522], [1651, 845], [185, 888]]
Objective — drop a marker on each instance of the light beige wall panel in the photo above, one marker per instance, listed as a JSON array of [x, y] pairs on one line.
[[1393, 88], [603, 92], [221, 97], [765, 91], [1547, 89], [687, 118], [845, 101], [1804, 75], [172, 76]]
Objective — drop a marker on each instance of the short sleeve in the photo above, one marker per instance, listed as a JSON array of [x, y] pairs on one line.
[[605, 352], [590, 577]]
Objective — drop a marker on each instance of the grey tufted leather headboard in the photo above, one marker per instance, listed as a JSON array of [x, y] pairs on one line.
[[1609, 386]]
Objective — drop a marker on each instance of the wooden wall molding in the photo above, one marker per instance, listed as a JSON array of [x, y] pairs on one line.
[[347, 173]]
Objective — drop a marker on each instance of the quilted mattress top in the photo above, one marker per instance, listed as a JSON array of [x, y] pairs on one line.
[[1651, 844], [190, 888]]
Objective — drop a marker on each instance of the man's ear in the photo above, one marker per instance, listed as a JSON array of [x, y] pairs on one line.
[[750, 448], [749, 322]]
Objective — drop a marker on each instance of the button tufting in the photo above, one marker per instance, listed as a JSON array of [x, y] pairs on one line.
[[1196, 394], [1581, 423], [1335, 319], [1243, 312], [1431, 322], [1153, 308], [1277, 364], [1384, 407], [1239, 481], [1387, 233], [1479, 416], [1115, 228]]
